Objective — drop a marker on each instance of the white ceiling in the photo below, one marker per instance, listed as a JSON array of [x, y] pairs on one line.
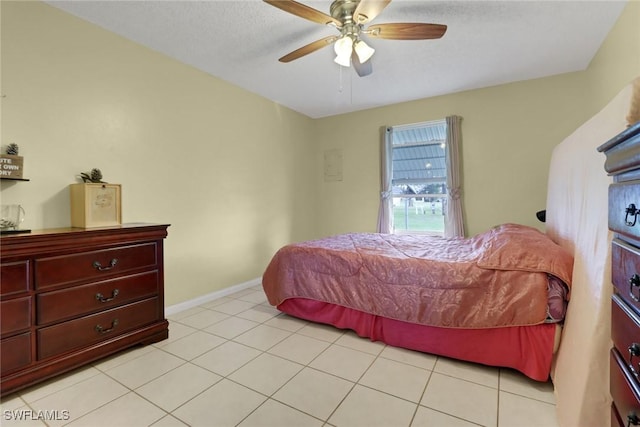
[[487, 43]]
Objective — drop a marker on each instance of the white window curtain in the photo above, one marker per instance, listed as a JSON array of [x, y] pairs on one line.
[[454, 220], [385, 212]]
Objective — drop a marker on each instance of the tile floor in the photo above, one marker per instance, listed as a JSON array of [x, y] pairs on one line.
[[237, 361]]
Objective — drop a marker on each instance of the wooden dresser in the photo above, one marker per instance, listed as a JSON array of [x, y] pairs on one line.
[[71, 296], [623, 163]]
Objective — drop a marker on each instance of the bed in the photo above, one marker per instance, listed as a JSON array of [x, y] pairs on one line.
[[497, 298]]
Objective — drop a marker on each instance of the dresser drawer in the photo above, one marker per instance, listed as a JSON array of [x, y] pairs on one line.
[[15, 315], [625, 266], [625, 333], [14, 277], [80, 300], [624, 390], [59, 270], [92, 329], [15, 352], [624, 199]]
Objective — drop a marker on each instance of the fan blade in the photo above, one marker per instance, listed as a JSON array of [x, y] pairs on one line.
[[311, 47], [304, 11], [362, 69], [367, 10], [406, 31]]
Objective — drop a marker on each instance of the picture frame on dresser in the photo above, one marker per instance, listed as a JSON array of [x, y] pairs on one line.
[[623, 164], [95, 204]]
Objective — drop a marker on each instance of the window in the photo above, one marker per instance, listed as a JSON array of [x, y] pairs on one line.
[[420, 183], [419, 177]]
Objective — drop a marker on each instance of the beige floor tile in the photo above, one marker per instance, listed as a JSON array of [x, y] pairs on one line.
[[398, 379], [463, 399], [11, 401], [370, 408], [81, 398], [176, 331], [299, 348], [262, 337], [145, 368], [426, 417], [256, 297], [519, 411], [517, 383], [127, 411], [286, 322], [410, 357], [259, 313], [58, 383], [224, 404], [185, 313], [266, 373], [275, 414], [233, 307], [216, 302], [178, 386], [193, 345], [123, 357], [203, 319], [351, 340], [481, 374], [243, 292], [231, 327], [226, 358], [168, 421], [343, 362], [322, 332], [314, 392]]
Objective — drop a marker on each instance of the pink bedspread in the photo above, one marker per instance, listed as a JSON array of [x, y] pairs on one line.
[[495, 279]]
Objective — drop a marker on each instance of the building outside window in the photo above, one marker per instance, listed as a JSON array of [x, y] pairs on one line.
[[419, 177]]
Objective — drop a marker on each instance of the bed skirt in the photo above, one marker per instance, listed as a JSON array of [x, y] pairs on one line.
[[528, 349]]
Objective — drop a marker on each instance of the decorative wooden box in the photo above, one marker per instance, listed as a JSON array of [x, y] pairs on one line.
[[11, 166], [95, 205]]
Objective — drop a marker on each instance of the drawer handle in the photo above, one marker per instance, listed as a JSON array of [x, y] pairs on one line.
[[634, 281], [632, 419], [101, 297], [631, 210], [634, 351], [101, 330], [100, 267]]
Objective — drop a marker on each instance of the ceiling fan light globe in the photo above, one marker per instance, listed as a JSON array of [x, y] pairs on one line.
[[343, 46], [344, 60], [364, 51]]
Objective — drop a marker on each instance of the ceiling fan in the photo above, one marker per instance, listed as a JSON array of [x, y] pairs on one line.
[[349, 18]]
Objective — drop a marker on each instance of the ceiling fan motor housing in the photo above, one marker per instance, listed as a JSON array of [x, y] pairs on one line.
[[343, 11]]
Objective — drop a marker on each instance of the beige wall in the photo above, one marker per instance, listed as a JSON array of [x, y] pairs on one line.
[[508, 134], [227, 169], [238, 176]]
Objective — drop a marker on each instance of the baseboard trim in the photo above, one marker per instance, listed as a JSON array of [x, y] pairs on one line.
[[185, 305]]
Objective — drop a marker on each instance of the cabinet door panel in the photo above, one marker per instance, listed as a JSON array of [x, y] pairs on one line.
[[15, 352], [14, 277], [15, 315]]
